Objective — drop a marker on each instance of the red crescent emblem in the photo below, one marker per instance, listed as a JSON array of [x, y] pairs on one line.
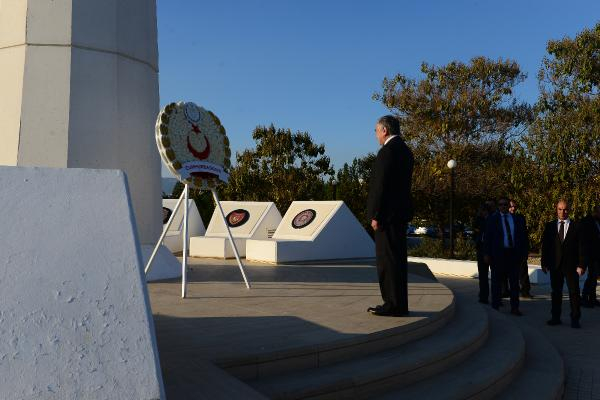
[[200, 155]]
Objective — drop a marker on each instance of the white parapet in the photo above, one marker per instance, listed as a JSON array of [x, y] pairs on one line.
[[79, 84], [75, 320], [246, 220], [314, 230], [174, 239]]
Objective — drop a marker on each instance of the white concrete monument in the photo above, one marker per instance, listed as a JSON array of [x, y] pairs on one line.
[[79, 89], [314, 230], [174, 238], [75, 319], [246, 220]]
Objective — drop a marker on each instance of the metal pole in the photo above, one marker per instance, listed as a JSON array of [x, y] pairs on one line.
[[452, 213], [164, 233], [235, 251], [185, 242]]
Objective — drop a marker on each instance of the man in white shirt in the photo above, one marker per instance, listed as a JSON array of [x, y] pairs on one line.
[[563, 255]]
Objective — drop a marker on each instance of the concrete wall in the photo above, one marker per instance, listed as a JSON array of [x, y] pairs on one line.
[[81, 78], [75, 320]]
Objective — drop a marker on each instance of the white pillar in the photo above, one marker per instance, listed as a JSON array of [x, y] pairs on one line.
[[79, 85]]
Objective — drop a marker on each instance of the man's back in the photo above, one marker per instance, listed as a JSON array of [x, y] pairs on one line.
[[389, 192]]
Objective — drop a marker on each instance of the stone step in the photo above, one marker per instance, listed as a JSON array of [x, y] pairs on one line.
[[543, 373], [483, 376], [300, 358], [203, 381], [366, 376]]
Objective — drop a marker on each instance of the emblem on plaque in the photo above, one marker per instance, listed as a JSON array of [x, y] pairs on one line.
[[237, 217], [304, 218], [166, 214], [193, 145]]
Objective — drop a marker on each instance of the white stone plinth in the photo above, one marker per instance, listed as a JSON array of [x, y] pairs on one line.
[[174, 239], [75, 319], [335, 233], [263, 219], [79, 84]]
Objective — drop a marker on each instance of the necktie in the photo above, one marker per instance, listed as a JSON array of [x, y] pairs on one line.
[[508, 234], [561, 231]]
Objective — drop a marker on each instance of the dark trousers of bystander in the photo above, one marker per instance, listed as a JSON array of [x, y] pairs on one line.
[[524, 279], [557, 280], [588, 293], [505, 265], [390, 250], [483, 271]]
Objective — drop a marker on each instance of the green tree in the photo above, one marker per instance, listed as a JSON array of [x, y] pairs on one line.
[[560, 155], [283, 167], [462, 111], [353, 186]]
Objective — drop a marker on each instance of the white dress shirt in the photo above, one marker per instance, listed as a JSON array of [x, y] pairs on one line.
[[567, 222], [511, 224], [388, 139]]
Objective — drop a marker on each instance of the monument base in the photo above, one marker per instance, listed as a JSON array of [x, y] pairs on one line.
[[164, 266], [216, 247]]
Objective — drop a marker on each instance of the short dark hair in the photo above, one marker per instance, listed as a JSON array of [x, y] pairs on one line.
[[391, 124]]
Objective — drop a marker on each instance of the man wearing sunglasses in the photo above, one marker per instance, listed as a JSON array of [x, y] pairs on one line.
[[506, 245]]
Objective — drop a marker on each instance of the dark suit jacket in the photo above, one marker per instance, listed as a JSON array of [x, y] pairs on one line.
[[565, 256], [591, 236], [493, 241], [389, 188]]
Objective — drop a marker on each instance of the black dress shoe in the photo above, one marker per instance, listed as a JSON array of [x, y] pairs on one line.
[[553, 322], [374, 309], [516, 312], [389, 313], [575, 324]]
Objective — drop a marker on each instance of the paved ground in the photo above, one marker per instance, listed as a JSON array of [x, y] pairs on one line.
[[288, 307], [580, 348], [304, 304]]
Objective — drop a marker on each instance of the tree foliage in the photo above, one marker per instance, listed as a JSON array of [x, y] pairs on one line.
[[560, 155], [352, 186], [283, 167], [462, 111]]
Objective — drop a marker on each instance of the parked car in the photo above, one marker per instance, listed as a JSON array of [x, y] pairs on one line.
[[425, 230], [410, 229]]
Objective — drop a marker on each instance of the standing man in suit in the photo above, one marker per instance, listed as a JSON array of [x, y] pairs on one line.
[[390, 209], [483, 268], [506, 245], [524, 282], [591, 229], [563, 255]]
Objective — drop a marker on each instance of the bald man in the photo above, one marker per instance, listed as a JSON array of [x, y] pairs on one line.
[[564, 257]]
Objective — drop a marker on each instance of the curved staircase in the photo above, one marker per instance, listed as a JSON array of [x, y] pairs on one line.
[[473, 352]]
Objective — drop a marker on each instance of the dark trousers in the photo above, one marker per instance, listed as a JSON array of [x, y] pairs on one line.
[[505, 265], [589, 287], [483, 270], [390, 250], [557, 280], [524, 277]]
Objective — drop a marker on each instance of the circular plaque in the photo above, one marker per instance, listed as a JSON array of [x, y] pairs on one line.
[[166, 214], [304, 218], [237, 217], [193, 145]]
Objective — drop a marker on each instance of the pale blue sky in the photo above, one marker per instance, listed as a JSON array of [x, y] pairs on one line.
[[313, 65]]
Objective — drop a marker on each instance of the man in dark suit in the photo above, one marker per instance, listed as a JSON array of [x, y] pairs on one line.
[[591, 229], [524, 282], [506, 245], [390, 209], [563, 255], [486, 209]]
